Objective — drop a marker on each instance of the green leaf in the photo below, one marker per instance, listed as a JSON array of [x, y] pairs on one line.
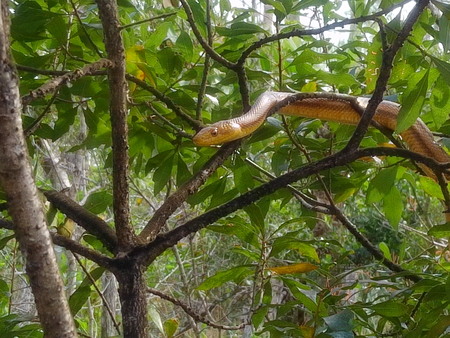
[[5, 240], [431, 187], [444, 7], [381, 184], [240, 28], [390, 309], [236, 274], [385, 250], [443, 67], [444, 32], [278, 5], [340, 321], [441, 326], [291, 243], [302, 293], [183, 173], [156, 318], [170, 327], [412, 104], [82, 293], [440, 101], [206, 192], [159, 35], [393, 207], [308, 3], [256, 215], [440, 231], [58, 29], [29, 21], [98, 202], [219, 198], [162, 174], [184, 46], [240, 228], [259, 316], [373, 62]]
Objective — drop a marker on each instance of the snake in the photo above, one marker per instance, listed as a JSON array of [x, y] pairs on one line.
[[342, 108]]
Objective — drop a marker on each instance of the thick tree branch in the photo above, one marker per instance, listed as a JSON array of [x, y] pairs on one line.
[[81, 250], [108, 12], [163, 241], [87, 220], [24, 205], [175, 200], [63, 78], [208, 49], [385, 73]]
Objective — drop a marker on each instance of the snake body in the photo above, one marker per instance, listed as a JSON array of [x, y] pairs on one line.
[[324, 106]]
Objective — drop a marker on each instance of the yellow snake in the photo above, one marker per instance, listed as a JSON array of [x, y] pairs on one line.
[[324, 106]]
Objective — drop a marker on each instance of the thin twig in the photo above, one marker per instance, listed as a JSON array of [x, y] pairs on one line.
[[96, 49], [196, 125], [191, 312], [162, 16], [102, 296], [315, 31], [51, 86]]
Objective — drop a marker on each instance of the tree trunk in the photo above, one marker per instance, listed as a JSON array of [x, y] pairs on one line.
[[132, 293], [24, 205]]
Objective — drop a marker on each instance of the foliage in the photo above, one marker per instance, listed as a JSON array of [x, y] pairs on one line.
[[235, 270]]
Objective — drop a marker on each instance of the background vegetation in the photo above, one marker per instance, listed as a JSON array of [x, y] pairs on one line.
[[205, 242]]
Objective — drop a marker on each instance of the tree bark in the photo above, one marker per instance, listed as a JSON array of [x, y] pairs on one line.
[[24, 205], [132, 293]]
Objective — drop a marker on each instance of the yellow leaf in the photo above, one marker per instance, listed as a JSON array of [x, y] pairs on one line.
[[307, 331], [132, 53], [309, 87], [66, 229], [294, 268]]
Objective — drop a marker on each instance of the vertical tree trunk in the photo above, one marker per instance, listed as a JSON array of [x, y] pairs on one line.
[[24, 205], [132, 293]]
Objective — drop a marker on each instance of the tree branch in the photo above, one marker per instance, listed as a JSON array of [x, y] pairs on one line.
[[370, 247], [385, 73], [174, 201], [189, 311], [315, 31], [66, 77], [208, 49], [81, 250], [162, 16], [163, 241], [196, 125], [108, 12], [87, 220]]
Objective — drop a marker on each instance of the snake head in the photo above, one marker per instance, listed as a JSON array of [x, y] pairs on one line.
[[217, 133]]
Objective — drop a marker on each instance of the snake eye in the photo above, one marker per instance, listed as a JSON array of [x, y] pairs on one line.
[[214, 132]]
